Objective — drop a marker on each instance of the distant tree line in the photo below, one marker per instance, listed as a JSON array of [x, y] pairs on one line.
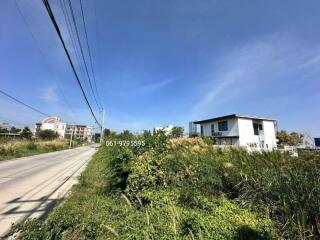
[[175, 133], [10, 130], [26, 133]]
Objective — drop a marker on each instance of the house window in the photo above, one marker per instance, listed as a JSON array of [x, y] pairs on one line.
[[201, 130], [212, 129], [223, 126], [260, 127], [256, 128]]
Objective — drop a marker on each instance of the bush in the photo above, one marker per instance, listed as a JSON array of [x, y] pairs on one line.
[[26, 133], [31, 146], [47, 134], [15, 149], [187, 189]]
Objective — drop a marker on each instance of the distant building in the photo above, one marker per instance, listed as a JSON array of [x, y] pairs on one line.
[[166, 129], [249, 132], [192, 129], [65, 130], [5, 125]]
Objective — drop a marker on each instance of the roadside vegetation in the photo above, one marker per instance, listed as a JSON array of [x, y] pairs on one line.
[[184, 188], [24, 146]]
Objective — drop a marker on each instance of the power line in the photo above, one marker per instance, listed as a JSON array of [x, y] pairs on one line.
[[28, 106], [50, 13], [13, 122], [81, 51], [44, 57], [88, 46], [73, 41]]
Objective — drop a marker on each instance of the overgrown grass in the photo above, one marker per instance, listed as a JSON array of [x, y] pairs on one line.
[[186, 189], [23, 148]]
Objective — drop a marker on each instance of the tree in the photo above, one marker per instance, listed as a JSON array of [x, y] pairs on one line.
[[146, 133], [283, 137], [292, 139], [48, 134], [14, 130], [3, 130], [106, 132], [295, 139], [26, 133], [96, 137], [177, 132]]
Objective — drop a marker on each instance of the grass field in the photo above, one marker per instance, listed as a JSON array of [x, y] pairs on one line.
[[10, 149], [186, 189]]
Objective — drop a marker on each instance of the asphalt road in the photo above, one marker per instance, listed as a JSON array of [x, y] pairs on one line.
[[31, 186]]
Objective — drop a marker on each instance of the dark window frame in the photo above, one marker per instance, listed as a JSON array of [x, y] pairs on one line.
[[223, 126], [212, 129], [201, 130], [255, 128]]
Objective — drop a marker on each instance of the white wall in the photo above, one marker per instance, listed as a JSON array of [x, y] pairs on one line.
[[270, 134], [60, 128], [232, 128], [267, 136], [246, 134], [243, 127]]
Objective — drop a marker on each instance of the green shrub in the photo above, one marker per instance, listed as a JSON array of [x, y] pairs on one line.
[[31, 146], [187, 189]]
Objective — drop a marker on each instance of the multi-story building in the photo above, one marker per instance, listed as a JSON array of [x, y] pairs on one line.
[[78, 131], [239, 130], [65, 130], [166, 129]]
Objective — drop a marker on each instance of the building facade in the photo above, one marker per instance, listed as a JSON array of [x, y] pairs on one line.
[[166, 129], [65, 130], [239, 130]]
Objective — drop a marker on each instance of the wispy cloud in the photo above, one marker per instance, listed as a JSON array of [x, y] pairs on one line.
[[248, 68], [49, 94], [120, 124], [146, 87], [153, 86]]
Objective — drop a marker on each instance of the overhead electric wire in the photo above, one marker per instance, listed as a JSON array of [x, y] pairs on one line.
[[89, 50], [50, 13], [26, 105], [81, 51], [73, 41], [44, 58], [14, 123]]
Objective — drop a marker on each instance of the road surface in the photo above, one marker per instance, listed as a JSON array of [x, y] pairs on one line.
[[30, 186]]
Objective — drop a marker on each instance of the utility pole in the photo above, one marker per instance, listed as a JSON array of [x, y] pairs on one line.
[[102, 127], [70, 144]]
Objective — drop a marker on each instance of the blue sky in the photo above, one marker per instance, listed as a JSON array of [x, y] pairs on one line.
[[168, 62]]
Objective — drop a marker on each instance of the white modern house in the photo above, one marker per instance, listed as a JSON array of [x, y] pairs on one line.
[[64, 130], [249, 132]]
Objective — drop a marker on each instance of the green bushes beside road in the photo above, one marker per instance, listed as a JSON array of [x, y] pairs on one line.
[[187, 189], [21, 148]]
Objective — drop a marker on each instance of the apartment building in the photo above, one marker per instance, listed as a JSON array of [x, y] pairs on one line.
[[65, 130]]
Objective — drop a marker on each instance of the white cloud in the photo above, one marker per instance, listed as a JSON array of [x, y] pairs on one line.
[[49, 94], [153, 86], [248, 68], [120, 124]]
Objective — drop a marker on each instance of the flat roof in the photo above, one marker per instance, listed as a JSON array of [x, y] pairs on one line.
[[233, 116]]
